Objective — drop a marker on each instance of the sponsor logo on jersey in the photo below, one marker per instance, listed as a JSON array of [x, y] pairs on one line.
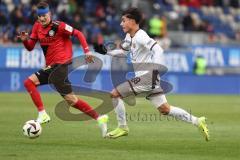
[[68, 28], [47, 39]]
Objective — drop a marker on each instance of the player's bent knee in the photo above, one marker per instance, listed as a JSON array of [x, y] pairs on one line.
[[164, 109], [115, 94], [71, 99], [70, 102], [34, 79], [28, 83]]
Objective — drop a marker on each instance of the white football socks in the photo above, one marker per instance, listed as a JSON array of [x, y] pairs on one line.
[[175, 112], [42, 112], [119, 109], [183, 115]]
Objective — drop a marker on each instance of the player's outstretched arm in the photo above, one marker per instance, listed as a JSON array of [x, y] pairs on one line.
[[28, 42], [101, 49], [117, 53], [82, 40]]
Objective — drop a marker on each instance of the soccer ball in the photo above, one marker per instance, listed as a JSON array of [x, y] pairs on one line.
[[32, 129]]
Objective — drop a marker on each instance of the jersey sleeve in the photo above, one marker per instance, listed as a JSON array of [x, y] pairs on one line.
[[34, 35], [66, 29], [29, 44], [146, 41]]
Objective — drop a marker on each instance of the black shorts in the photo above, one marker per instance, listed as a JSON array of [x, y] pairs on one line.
[[57, 75]]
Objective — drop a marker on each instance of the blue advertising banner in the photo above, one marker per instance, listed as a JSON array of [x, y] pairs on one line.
[[12, 81], [218, 56], [176, 61], [16, 64]]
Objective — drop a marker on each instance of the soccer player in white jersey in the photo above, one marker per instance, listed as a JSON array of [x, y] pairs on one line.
[[143, 49]]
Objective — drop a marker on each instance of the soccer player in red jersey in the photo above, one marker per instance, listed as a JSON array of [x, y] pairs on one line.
[[54, 38]]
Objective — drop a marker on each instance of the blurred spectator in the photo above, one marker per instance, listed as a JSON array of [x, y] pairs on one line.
[[156, 27], [158, 30], [63, 16], [200, 65], [192, 22], [226, 3], [238, 35], [96, 35], [104, 28], [72, 6], [187, 22], [175, 19], [63, 6], [102, 18], [207, 2], [5, 37], [207, 27], [234, 3], [197, 23], [164, 41], [3, 19], [190, 3], [32, 15], [77, 22], [17, 17], [100, 12]]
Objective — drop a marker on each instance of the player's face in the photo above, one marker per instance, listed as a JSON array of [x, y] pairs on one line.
[[127, 24], [45, 19]]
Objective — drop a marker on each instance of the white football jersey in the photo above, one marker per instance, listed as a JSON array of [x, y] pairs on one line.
[[140, 50]]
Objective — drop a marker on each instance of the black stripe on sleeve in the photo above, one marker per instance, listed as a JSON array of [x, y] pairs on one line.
[[131, 86], [123, 48], [153, 46], [73, 32]]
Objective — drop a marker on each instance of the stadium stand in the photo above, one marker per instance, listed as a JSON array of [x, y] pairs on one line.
[[219, 20]]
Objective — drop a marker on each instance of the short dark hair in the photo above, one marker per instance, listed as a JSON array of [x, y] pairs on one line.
[[42, 5], [133, 13]]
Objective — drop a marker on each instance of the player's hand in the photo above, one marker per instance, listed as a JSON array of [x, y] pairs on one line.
[[100, 48], [23, 35], [89, 58]]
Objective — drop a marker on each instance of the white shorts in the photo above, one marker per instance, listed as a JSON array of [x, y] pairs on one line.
[[148, 84]]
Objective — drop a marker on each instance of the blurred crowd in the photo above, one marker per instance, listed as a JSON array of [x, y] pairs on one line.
[[99, 19], [94, 18], [219, 18]]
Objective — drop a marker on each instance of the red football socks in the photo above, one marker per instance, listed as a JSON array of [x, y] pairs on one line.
[[35, 95], [86, 108]]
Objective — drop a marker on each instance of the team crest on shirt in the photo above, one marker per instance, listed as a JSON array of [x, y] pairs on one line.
[[51, 33]]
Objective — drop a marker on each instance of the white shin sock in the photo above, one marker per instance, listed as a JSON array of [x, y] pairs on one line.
[[119, 109], [183, 115]]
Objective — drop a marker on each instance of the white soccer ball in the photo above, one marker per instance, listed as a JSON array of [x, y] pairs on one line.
[[32, 129]]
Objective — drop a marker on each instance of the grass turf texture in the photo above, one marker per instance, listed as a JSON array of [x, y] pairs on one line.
[[149, 138]]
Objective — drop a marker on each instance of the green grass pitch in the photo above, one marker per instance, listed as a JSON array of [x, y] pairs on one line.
[[149, 138]]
